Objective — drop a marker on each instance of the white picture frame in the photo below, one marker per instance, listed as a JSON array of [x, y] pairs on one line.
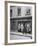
[[14, 37]]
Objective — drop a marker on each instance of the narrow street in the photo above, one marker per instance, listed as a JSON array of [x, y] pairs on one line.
[[15, 36]]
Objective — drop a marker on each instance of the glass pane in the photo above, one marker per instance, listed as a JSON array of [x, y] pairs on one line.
[[19, 11], [10, 12], [13, 25]]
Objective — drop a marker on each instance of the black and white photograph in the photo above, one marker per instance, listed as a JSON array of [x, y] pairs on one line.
[[20, 22]]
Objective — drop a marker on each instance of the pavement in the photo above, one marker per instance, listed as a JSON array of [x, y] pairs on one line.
[[17, 36]]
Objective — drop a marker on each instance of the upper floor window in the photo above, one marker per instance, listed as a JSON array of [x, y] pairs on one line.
[[10, 12], [19, 11]]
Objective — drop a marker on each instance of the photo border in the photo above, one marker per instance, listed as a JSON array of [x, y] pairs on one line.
[[6, 22]]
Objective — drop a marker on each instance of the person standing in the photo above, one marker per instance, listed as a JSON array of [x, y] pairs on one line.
[[19, 27], [22, 27]]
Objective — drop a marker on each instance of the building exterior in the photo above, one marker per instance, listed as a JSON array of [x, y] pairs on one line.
[[20, 19]]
